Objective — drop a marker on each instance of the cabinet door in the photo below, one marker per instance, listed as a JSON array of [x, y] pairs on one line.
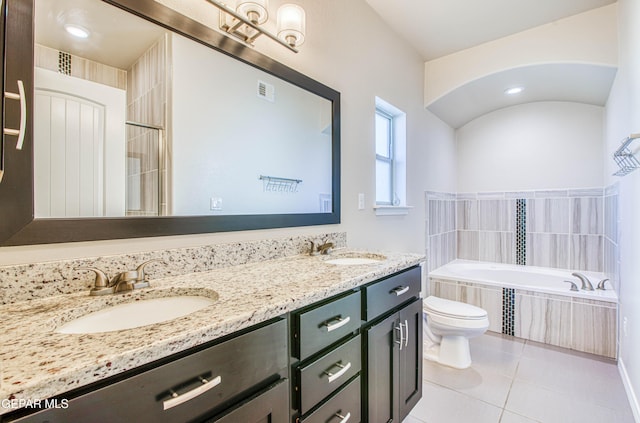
[[382, 371], [410, 357], [16, 190], [269, 407], [2, 18]]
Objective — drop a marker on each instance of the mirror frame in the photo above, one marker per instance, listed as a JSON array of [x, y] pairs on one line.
[[17, 223]]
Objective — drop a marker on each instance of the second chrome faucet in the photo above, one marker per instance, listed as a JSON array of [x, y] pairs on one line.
[[124, 281]]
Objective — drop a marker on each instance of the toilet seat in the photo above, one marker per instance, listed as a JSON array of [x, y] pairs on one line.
[[453, 309]]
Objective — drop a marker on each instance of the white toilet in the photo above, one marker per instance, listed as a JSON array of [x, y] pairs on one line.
[[447, 328]]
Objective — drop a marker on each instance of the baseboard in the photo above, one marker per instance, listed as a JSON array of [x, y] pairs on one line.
[[631, 396]]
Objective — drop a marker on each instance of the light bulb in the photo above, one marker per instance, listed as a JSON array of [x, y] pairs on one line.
[[77, 31], [513, 90]]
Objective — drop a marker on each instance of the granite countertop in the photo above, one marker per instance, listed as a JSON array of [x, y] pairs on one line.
[[36, 363]]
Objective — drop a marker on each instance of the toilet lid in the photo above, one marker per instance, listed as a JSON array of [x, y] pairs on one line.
[[453, 308]]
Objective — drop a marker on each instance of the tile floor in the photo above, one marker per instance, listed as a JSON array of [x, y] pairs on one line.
[[517, 381]]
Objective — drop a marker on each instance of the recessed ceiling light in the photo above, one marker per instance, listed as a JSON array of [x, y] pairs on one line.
[[77, 31], [513, 90]]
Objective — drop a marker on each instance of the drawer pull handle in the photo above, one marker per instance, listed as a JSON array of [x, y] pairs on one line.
[[345, 419], [339, 322], [343, 369], [179, 399], [23, 114], [400, 290]]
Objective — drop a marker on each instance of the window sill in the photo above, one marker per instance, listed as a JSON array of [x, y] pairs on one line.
[[392, 210]]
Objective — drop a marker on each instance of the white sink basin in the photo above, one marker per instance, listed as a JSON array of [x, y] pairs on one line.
[[136, 314], [354, 258], [350, 261]]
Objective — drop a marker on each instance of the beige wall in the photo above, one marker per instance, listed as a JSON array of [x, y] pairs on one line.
[[583, 38], [350, 49], [532, 146]]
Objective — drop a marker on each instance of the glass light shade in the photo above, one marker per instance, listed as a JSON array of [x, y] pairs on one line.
[[291, 24], [256, 11]]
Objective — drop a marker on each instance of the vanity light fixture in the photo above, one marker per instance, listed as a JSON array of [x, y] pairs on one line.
[[513, 90], [244, 21], [77, 31]]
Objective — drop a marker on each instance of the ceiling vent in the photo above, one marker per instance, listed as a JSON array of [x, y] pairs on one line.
[[266, 91]]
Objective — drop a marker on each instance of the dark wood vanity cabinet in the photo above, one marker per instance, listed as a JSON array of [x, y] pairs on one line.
[[327, 360], [393, 343], [242, 377], [355, 357], [380, 352]]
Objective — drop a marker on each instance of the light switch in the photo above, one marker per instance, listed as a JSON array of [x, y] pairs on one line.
[[361, 201]]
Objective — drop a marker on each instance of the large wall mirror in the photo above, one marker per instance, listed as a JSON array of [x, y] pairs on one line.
[[151, 124]]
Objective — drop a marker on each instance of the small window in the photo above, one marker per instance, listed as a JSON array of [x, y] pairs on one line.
[[384, 158], [390, 138]]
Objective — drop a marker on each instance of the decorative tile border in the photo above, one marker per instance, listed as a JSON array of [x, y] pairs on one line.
[[508, 311], [521, 231]]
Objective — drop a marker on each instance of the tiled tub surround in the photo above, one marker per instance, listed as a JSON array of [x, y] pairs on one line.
[[38, 363], [39, 280], [548, 313], [567, 229], [441, 228], [611, 254]]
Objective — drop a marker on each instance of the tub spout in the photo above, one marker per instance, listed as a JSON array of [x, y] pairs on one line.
[[574, 287], [586, 283]]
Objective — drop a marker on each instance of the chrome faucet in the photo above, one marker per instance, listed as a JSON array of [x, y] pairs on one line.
[[324, 248], [586, 283], [574, 287], [124, 281], [601, 284]]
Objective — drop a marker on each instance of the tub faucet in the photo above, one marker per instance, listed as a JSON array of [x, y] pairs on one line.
[[586, 283], [601, 284], [574, 287]]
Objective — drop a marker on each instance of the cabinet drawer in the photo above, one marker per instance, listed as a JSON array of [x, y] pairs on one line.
[[322, 326], [324, 375], [247, 362], [391, 292], [344, 406]]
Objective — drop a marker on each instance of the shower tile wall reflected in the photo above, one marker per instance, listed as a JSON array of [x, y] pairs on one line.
[[80, 67], [147, 163]]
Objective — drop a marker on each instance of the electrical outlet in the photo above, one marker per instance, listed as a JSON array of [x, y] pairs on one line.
[[624, 327], [216, 203], [361, 201]]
